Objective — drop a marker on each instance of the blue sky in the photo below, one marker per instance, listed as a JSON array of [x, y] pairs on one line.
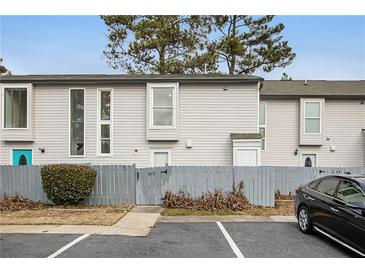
[[327, 47]]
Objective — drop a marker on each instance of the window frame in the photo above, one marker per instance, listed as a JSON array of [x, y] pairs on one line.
[[175, 92], [166, 150], [69, 122], [352, 183], [263, 126], [100, 122], [336, 189], [305, 101], [28, 87]]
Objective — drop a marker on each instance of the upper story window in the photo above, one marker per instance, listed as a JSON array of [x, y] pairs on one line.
[[105, 121], [162, 111], [15, 105], [77, 122], [262, 124], [312, 117]]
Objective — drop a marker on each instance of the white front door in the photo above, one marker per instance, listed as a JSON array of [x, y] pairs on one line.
[[245, 157], [309, 160]]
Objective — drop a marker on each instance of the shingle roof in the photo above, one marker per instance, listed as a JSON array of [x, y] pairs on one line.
[[126, 78], [313, 88], [246, 136]]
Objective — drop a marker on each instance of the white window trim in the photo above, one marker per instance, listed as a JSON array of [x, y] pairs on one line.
[[305, 101], [100, 122], [175, 95], [308, 153], [29, 104], [264, 126], [152, 158], [69, 123], [20, 148]]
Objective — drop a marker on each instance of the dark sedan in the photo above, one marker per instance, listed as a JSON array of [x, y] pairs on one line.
[[335, 207]]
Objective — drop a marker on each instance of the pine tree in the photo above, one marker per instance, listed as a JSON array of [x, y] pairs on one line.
[[158, 44], [3, 69], [246, 43]]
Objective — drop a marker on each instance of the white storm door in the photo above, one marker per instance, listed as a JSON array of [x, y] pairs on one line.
[[309, 160], [246, 157]]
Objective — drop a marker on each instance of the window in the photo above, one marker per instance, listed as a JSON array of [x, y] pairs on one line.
[[77, 122], [312, 117], [163, 105], [262, 123], [160, 157], [15, 108], [104, 122], [328, 186], [314, 184], [351, 194]]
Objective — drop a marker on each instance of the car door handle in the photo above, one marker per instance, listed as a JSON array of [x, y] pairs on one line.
[[309, 197], [334, 209]]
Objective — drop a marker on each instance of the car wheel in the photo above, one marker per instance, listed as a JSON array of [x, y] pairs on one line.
[[304, 220]]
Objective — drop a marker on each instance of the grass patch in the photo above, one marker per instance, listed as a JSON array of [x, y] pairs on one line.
[[65, 215], [284, 210]]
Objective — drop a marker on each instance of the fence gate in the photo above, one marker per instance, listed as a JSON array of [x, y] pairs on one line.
[[150, 185]]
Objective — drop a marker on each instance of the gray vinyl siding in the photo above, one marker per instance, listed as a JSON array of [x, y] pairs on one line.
[[344, 120], [207, 116]]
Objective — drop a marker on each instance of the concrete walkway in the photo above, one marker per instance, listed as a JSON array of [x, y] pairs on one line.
[[138, 222]]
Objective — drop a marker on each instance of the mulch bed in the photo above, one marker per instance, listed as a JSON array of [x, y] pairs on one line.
[[19, 203]]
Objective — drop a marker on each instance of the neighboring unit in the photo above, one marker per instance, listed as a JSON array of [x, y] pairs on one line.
[[313, 123], [154, 120]]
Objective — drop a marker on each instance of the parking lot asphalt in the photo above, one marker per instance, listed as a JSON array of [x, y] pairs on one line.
[[180, 240]]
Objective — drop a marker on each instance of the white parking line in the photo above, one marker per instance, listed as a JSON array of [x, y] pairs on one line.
[[58, 252], [230, 241]]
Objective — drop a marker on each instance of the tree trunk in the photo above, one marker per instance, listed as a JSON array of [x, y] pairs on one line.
[[162, 63], [233, 35]]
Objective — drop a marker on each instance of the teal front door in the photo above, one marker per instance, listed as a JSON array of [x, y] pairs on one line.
[[22, 157]]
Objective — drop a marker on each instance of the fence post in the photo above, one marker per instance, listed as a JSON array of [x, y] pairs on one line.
[[136, 178]]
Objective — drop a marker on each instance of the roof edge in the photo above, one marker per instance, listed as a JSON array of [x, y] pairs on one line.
[[126, 78]]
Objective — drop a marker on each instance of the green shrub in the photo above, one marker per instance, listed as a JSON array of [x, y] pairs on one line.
[[67, 184]]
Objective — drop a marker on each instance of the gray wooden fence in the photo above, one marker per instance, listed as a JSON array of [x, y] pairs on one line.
[[117, 184], [114, 184]]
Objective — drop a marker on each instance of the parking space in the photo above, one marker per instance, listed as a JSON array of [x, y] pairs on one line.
[[180, 240], [281, 240], [32, 245]]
